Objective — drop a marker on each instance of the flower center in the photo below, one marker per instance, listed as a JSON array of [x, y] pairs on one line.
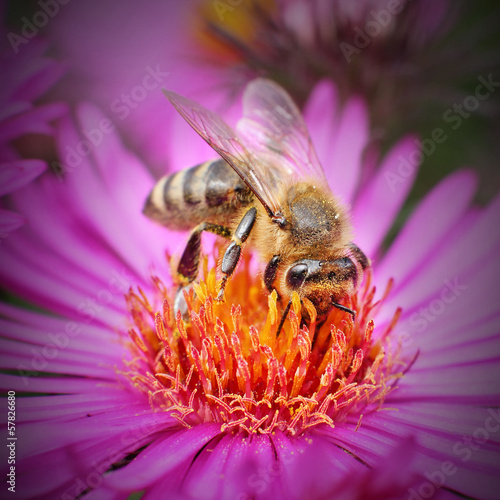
[[225, 363]]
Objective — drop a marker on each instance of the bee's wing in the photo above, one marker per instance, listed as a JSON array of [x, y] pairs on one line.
[[274, 127], [224, 140]]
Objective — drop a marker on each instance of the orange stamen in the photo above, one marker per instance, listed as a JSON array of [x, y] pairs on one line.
[[217, 366]]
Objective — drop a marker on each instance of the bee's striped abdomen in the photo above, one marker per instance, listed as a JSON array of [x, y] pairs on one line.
[[209, 192]]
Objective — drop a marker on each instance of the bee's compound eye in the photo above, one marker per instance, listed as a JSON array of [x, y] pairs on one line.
[[296, 275]]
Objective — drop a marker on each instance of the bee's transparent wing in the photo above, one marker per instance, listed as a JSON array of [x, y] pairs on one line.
[[273, 126], [225, 141]]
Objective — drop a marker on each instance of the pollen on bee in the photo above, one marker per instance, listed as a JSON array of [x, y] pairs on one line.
[[225, 364]]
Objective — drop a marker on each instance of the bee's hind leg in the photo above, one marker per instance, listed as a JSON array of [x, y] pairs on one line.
[[187, 269], [233, 251]]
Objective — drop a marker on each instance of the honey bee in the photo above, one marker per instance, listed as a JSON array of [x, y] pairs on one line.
[[267, 190]]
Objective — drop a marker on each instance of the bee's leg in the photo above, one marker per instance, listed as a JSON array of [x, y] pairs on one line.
[[187, 270], [233, 251]]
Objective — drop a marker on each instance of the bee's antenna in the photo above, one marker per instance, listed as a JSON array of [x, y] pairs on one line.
[[283, 317], [345, 309]]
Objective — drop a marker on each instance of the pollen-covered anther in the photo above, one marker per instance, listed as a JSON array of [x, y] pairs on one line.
[[226, 364]]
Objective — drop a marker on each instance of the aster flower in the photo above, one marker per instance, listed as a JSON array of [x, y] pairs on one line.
[[394, 404], [420, 66], [400, 55], [27, 76]]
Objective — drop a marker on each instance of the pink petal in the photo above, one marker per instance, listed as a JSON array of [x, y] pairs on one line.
[[301, 459], [9, 221], [434, 448], [246, 459], [102, 493], [320, 112], [14, 108], [32, 326], [201, 481], [33, 384], [22, 65], [339, 140], [70, 334], [63, 273], [14, 175], [69, 238], [346, 152], [40, 362], [443, 207], [110, 400], [85, 460], [44, 74], [161, 457], [469, 384], [35, 121], [130, 428], [377, 206], [31, 281], [464, 259], [99, 206]]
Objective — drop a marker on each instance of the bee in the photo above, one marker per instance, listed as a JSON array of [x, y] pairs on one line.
[[267, 190]]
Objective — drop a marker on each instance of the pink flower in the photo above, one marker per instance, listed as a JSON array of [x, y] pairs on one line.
[[105, 426], [26, 77]]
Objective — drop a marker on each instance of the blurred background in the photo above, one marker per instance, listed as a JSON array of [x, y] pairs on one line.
[[428, 67]]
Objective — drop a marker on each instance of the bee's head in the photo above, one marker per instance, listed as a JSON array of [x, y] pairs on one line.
[[325, 283]]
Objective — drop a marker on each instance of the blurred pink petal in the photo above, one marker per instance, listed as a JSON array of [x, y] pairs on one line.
[[339, 144], [9, 221], [14, 175], [385, 194], [123, 70], [26, 76], [418, 236]]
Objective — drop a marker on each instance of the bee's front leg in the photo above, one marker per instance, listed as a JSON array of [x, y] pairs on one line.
[[233, 251]]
